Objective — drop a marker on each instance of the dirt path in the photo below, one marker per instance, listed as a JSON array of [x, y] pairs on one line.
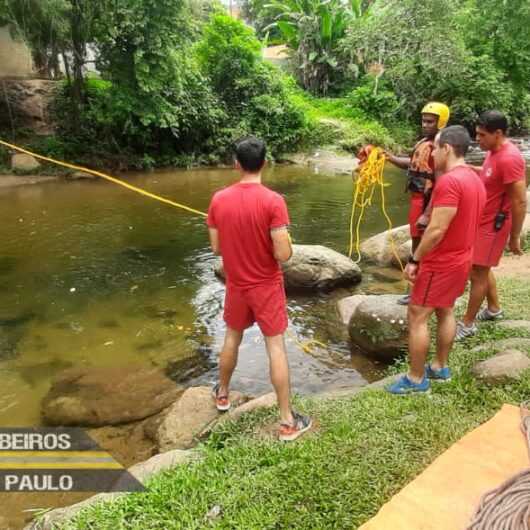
[[514, 267]]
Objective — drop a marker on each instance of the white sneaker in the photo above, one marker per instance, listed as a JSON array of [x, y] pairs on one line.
[[486, 315], [463, 332]]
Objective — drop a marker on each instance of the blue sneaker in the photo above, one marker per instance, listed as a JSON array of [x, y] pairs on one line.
[[443, 374], [405, 386]]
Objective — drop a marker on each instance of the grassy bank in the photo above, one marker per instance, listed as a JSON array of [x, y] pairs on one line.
[[364, 449], [338, 122]]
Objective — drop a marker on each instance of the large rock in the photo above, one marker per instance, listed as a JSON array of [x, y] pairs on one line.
[[27, 103], [315, 267], [22, 163], [503, 367], [347, 306], [107, 396], [379, 327], [380, 248], [188, 417], [525, 230]]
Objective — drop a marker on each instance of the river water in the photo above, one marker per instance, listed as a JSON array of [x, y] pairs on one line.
[[94, 275]]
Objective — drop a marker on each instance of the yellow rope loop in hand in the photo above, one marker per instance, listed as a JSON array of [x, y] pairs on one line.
[[369, 179]]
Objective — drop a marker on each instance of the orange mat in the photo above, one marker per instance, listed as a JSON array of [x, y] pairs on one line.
[[446, 494]]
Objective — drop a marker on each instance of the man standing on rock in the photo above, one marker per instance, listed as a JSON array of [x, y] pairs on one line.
[[504, 175], [248, 227], [439, 268], [420, 169]]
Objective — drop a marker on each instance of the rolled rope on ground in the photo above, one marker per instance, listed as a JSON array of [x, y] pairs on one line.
[[508, 506]]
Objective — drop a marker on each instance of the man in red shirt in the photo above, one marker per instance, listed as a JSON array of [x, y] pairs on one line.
[[504, 175], [440, 266], [420, 169], [248, 227]]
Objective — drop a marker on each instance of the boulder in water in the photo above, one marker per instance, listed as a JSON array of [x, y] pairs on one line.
[[378, 249], [315, 268], [107, 396], [379, 327]]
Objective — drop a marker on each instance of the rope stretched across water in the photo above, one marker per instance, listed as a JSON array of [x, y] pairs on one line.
[[106, 177], [508, 506]]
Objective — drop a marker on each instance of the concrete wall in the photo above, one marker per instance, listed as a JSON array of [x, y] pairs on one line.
[[15, 57]]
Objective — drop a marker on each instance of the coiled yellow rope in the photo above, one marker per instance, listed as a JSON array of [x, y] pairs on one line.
[[370, 178]]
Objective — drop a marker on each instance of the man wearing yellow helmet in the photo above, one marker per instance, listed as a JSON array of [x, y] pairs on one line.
[[420, 169]]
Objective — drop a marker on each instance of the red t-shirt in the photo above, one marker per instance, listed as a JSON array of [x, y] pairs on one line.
[[501, 168], [244, 214], [460, 187]]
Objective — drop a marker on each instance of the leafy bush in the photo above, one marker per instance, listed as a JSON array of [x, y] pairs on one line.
[[375, 102], [254, 93]]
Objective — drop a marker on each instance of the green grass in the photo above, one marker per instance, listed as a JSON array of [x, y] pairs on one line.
[[337, 121], [364, 450]]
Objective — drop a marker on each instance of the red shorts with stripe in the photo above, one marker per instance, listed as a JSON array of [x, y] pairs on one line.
[[415, 211], [490, 245], [440, 289], [264, 304]]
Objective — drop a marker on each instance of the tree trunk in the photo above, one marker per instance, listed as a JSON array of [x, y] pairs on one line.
[[66, 66], [79, 50]]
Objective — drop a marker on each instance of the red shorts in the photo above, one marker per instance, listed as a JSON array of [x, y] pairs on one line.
[[264, 304], [490, 245], [440, 289], [415, 211]]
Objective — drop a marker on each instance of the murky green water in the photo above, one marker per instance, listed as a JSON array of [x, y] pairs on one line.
[[92, 274]]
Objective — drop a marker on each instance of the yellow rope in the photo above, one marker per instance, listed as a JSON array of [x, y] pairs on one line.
[[106, 177], [371, 177]]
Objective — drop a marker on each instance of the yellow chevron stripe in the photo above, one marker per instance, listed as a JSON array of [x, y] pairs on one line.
[[62, 465], [62, 454]]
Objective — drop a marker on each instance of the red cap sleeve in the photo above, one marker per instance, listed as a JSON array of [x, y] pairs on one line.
[[279, 213]]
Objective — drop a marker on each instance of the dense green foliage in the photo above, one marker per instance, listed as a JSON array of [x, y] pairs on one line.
[[313, 31], [179, 81], [474, 55], [421, 61], [363, 450]]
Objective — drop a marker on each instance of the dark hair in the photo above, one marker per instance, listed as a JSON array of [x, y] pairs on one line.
[[493, 120], [250, 153], [457, 137]]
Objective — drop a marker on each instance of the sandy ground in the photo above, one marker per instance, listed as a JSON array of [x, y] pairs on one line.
[[514, 267]]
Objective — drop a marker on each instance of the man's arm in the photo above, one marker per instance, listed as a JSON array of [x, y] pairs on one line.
[[402, 162], [516, 191], [214, 240], [281, 243], [440, 220]]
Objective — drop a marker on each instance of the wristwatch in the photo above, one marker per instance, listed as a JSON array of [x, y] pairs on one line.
[[413, 261]]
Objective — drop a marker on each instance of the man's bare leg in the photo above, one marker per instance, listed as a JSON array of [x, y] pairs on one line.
[[419, 340], [492, 295], [279, 371], [479, 289], [228, 359], [445, 336]]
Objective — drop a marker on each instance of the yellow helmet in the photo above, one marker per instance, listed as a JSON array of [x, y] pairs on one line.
[[440, 110]]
